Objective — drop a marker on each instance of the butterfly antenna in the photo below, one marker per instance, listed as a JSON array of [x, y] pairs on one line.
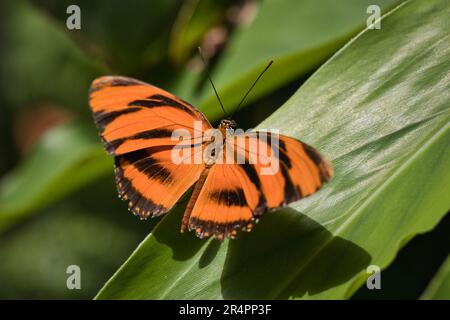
[[254, 83], [210, 80]]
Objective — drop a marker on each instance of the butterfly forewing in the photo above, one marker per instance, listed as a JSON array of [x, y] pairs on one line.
[[133, 115]]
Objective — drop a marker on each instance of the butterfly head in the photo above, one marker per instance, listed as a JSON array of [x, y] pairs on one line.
[[227, 124]]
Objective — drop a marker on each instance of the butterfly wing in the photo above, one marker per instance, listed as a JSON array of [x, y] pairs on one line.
[[133, 115], [234, 195], [228, 201], [288, 169], [136, 122]]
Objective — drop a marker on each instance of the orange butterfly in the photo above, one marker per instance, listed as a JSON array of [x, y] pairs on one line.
[[138, 122]]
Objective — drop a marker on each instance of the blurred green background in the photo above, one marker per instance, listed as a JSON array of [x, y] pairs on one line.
[[58, 204]]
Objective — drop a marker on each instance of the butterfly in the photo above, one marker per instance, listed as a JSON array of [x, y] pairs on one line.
[[143, 127]]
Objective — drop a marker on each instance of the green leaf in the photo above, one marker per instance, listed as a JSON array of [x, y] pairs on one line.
[[439, 287], [66, 158], [379, 110], [41, 62], [297, 35], [130, 38], [194, 20]]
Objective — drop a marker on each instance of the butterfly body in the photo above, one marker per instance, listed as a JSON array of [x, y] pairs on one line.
[[163, 146]]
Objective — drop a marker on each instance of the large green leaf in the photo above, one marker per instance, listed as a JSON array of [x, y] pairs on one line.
[[65, 159], [439, 287], [298, 35], [379, 109]]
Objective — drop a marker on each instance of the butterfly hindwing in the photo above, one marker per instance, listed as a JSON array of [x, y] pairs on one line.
[[227, 202], [151, 182]]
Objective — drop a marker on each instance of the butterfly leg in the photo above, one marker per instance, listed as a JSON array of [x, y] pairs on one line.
[[198, 187]]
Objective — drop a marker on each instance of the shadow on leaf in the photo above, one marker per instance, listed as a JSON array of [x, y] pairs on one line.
[[184, 246], [287, 255]]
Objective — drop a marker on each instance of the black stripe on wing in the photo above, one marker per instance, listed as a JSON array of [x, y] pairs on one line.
[[158, 100], [113, 145]]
